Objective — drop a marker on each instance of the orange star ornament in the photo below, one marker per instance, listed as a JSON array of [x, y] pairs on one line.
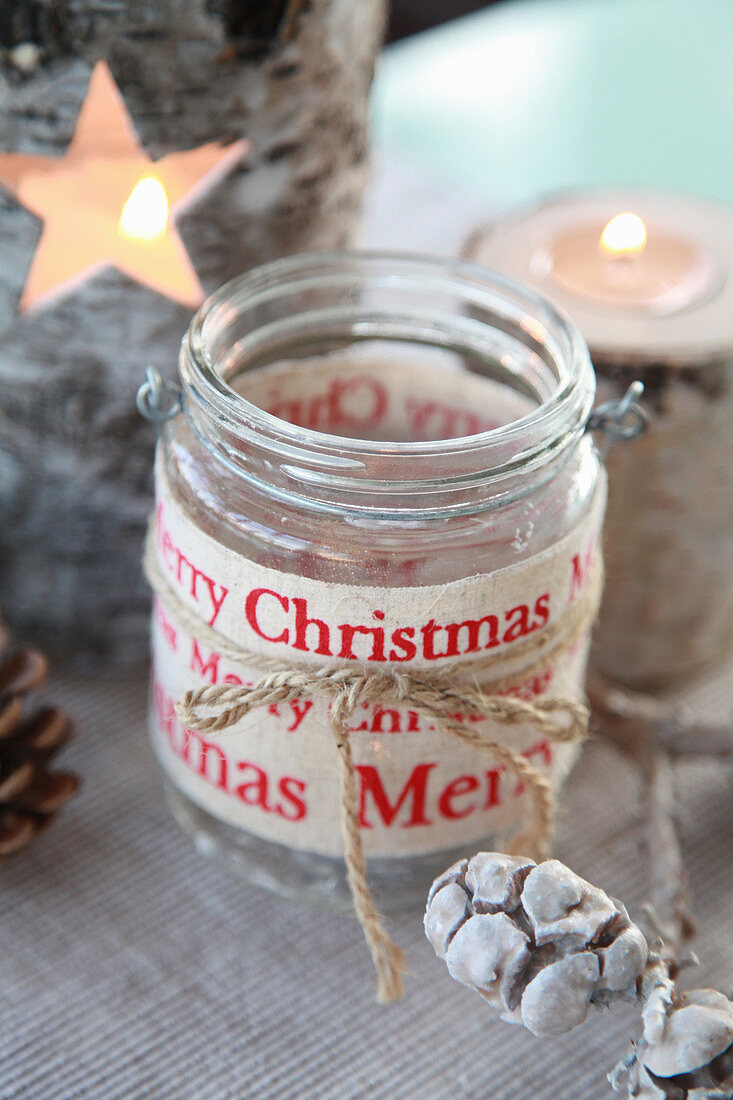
[[106, 203]]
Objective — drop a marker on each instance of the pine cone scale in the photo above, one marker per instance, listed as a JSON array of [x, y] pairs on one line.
[[22, 671], [11, 710], [30, 793], [16, 832], [15, 782], [47, 731], [47, 793]]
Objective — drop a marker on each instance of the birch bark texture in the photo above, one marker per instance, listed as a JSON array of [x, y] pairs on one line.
[[667, 610], [75, 457]]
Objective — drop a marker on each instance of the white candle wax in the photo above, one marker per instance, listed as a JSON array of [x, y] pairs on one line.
[[625, 263]]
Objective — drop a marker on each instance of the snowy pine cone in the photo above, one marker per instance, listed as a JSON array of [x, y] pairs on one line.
[[535, 940], [687, 1052]]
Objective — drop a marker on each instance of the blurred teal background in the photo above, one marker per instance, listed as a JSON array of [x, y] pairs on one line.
[[535, 96]]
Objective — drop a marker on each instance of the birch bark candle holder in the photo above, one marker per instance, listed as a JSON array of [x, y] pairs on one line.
[[647, 279], [86, 90]]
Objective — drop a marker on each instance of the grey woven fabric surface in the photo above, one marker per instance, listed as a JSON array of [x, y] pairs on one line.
[[133, 968]]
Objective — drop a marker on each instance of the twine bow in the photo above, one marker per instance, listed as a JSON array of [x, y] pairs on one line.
[[441, 699]]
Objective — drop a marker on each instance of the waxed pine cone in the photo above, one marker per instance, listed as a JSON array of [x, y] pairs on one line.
[[687, 1051], [30, 735], [538, 942]]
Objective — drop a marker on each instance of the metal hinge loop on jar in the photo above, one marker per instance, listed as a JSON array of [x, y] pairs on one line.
[[158, 400], [623, 419]]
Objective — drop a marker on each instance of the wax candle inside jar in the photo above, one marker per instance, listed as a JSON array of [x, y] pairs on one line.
[[647, 279], [342, 480]]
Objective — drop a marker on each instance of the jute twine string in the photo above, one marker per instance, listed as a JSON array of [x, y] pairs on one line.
[[441, 698]]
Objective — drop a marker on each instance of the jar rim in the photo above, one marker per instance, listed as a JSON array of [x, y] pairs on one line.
[[217, 410]]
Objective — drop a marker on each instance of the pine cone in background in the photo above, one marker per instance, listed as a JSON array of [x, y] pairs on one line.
[[687, 1052], [30, 794], [535, 940]]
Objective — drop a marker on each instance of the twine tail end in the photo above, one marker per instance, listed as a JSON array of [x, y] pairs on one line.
[[389, 962]]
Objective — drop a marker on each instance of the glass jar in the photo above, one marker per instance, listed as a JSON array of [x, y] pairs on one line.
[[365, 438]]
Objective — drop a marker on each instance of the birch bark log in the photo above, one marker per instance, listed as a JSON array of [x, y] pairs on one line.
[[75, 458]]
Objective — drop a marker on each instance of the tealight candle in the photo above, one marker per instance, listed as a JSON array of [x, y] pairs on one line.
[[646, 278], [620, 264]]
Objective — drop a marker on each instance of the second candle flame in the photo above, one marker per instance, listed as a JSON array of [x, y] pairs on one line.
[[625, 235]]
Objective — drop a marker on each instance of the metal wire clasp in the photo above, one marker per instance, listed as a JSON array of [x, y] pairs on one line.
[[149, 398], [623, 419]]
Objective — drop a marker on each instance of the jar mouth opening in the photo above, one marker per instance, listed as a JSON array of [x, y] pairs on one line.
[[494, 326]]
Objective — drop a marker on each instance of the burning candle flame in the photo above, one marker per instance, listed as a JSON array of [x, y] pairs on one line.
[[625, 235], [145, 214]]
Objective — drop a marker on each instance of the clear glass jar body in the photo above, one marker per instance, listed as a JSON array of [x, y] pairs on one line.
[[374, 512]]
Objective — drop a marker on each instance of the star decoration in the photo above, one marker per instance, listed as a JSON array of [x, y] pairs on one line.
[[106, 203]]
